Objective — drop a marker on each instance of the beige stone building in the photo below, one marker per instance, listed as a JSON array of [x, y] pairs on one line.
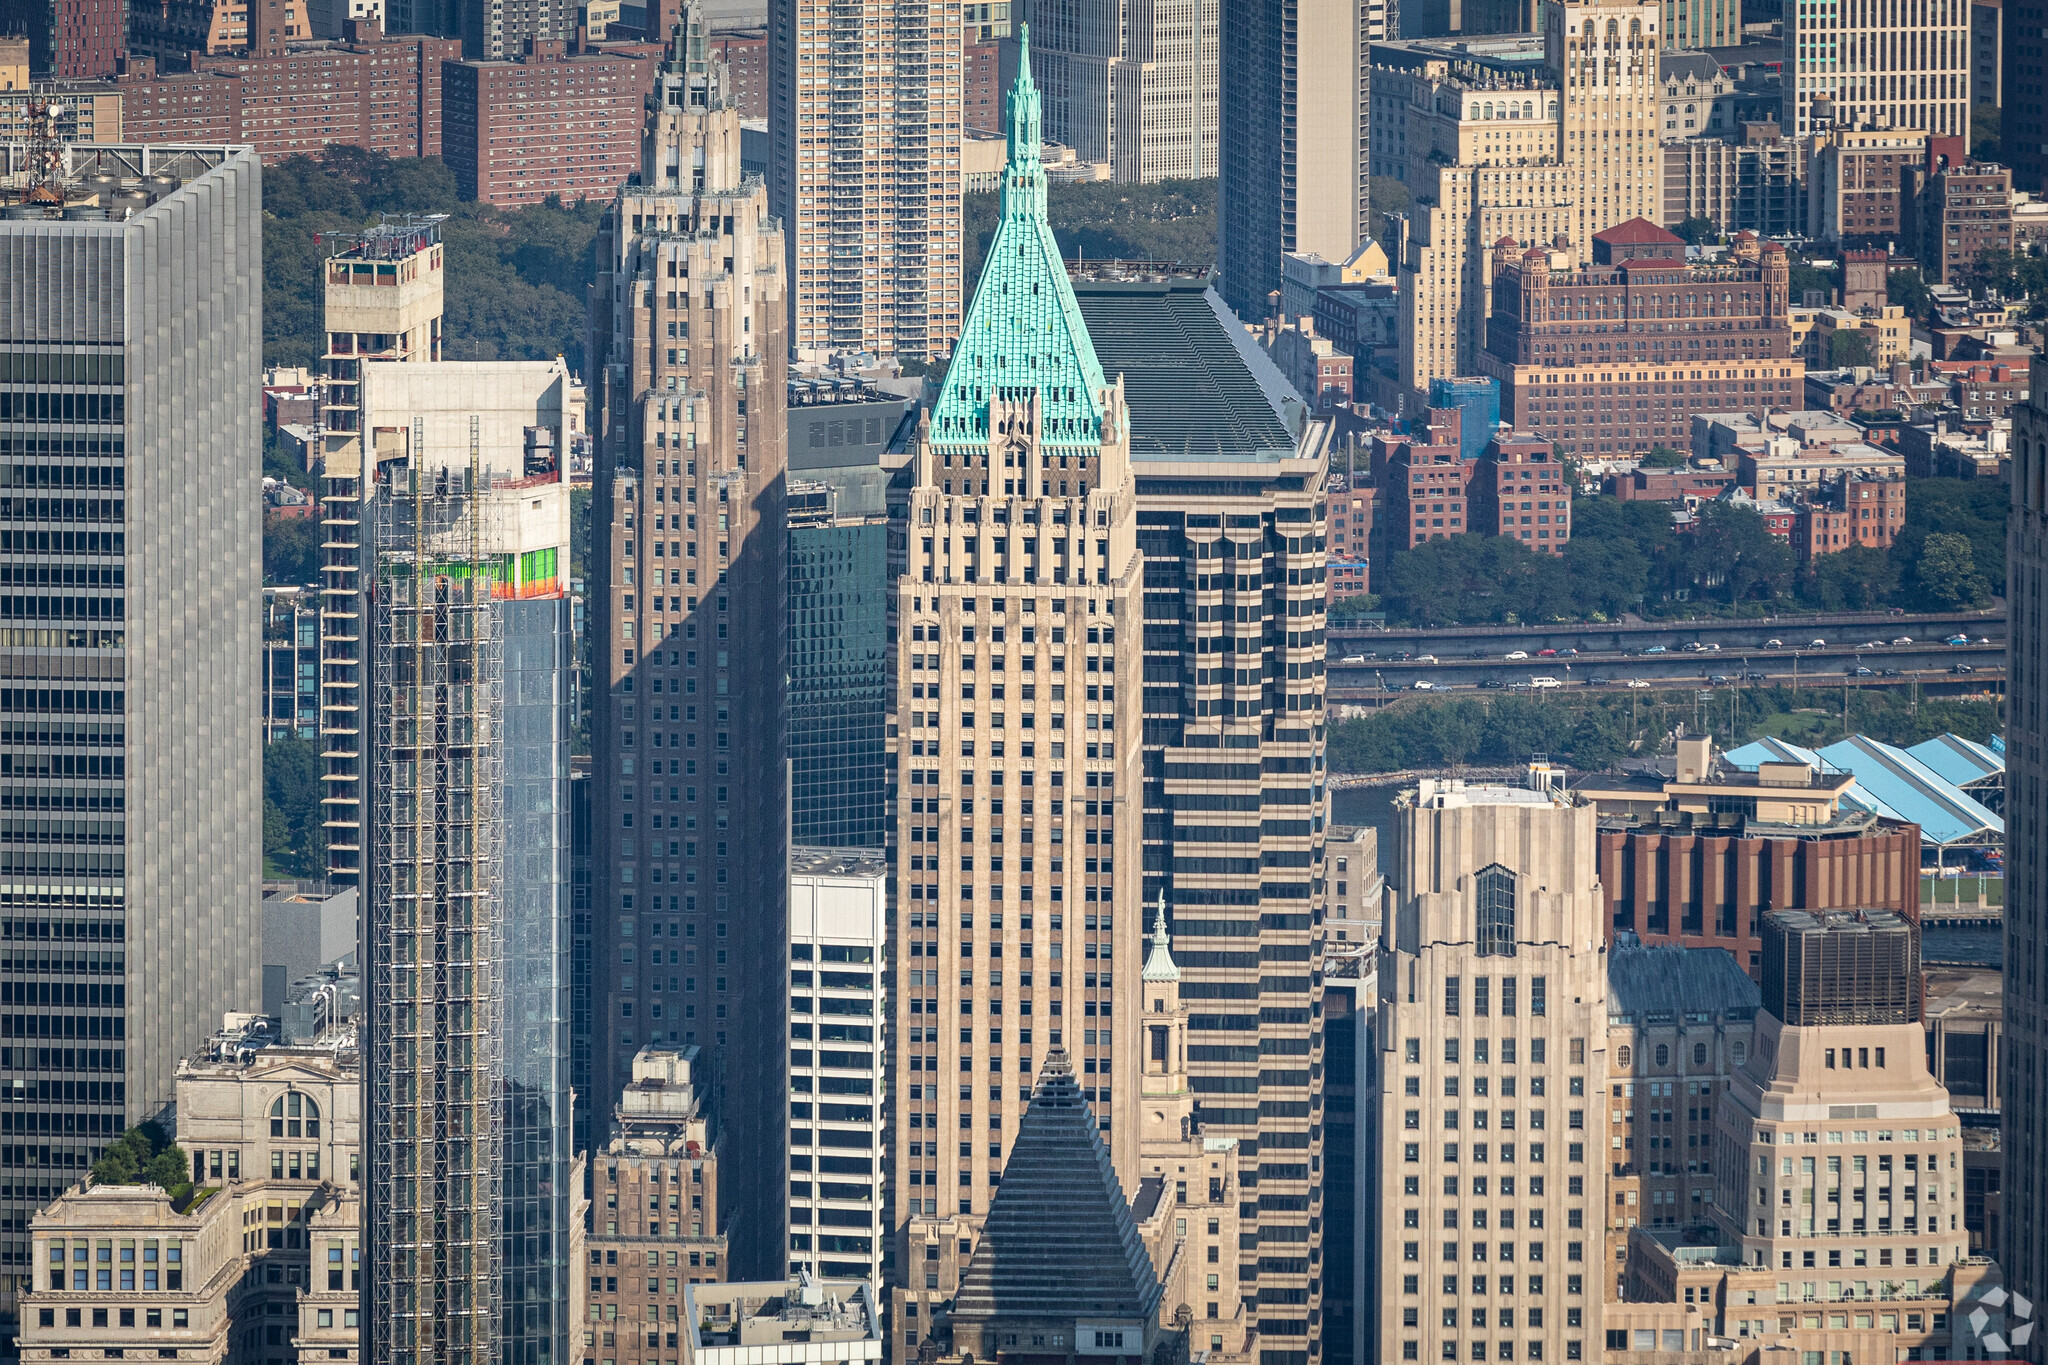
[[1014, 715], [654, 1218], [264, 1249], [1491, 148], [865, 129], [1493, 1024], [1869, 64]]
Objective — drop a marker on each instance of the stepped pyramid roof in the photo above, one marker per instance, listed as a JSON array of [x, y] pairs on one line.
[[1060, 1240]]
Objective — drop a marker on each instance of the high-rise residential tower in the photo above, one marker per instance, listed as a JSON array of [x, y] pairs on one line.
[[688, 327], [466, 930], [864, 131], [2023, 1054], [383, 301], [1878, 64], [1230, 479], [1492, 1036], [129, 645], [1018, 631], [1498, 144], [1293, 151], [1132, 86]]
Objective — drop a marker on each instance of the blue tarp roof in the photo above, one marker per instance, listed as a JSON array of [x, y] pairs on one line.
[[1892, 782], [1959, 760]]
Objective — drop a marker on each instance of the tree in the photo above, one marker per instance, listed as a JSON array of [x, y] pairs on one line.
[[145, 1154], [1909, 291], [1734, 556], [1663, 457], [1699, 231], [291, 551], [1849, 347], [1947, 573], [1804, 277], [291, 786], [1973, 508], [1857, 578], [1387, 195]]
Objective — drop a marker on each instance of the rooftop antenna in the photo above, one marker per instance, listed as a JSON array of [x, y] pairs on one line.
[[45, 152]]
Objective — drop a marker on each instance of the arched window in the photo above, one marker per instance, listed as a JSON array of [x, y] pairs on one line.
[[1528, 109], [1699, 1054], [1496, 887], [294, 1115], [1741, 1053], [1663, 1055], [1622, 1056]]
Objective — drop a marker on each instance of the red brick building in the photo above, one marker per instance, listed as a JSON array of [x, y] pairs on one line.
[[92, 36], [548, 123], [1614, 357], [1421, 481], [746, 61], [1349, 528], [1519, 490], [1852, 511], [1668, 485], [367, 90], [981, 104]]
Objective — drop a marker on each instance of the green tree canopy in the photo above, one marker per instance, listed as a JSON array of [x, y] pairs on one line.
[[145, 1154], [294, 840], [1663, 457], [1698, 231], [1165, 220], [1907, 290], [1850, 347]]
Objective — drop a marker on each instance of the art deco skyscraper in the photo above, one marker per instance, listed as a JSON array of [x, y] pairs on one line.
[[1292, 130], [129, 645], [1866, 64], [688, 320], [1018, 630], [864, 172], [1492, 1027], [2024, 1052]]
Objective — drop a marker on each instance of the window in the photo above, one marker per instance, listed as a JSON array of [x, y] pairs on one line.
[[294, 1115], [1496, 895]]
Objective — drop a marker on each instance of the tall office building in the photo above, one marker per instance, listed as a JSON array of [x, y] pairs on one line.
[[1230, 475], [1292, 126], [2023, 1053], [1132, 86], [838, 1063], [864, 127], [688, 325], [844, 450], [1492, 1019], [130, 446], [1494, 142], [466, 933], [1018, 633], [383, 301], [1878, 64]]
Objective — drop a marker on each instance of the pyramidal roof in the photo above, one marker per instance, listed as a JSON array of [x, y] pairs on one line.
[[1024, 330], [1159, 964], [1059, 1240]]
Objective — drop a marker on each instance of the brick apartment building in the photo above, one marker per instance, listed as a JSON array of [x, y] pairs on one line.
[[1421, 481], [90, 36], [981, 105], [368, 90], [1349, 527], [746, 65], [546, 123], [1519, 490], [1612, 357], [1960, 209], [1850, 511]]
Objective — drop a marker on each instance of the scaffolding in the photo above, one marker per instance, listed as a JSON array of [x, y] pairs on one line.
[[436, 935]]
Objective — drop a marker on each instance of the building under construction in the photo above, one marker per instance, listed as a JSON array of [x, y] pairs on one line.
[[470, 1169]]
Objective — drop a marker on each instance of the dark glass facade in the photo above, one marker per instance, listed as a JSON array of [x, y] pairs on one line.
[[838, 674]]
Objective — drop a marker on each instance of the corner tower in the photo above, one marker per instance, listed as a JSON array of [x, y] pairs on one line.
[[1014, 710]]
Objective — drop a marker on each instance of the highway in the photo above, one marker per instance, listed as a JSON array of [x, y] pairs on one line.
[[1629, 637]]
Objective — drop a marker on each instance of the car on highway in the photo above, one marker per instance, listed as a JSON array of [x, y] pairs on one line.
[[1718, 680], [1983, 639], [1817, 644], [1871, 644], [1957, 640], [1887, 672], [1635, 683], [1961, 668], [1492, 684], [1515, 655], [1694, 647], [1753, 675], [1403, 657], [1859, 672], [1903, 640], [1544, 682], [1656, 649], [1422, 685], [1352, 659], [1774, 644], [1479, 653], [1546, 654], [1425, 658], [1568, 653], [1596, 682]]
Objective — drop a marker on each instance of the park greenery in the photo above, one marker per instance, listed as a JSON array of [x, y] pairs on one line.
[[1627, 557], [145, 1155], [1170, 221], [1595, 729], [294, 843], [516, 278]]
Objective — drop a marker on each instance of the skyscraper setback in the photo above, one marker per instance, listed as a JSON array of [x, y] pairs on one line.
[[864, 172], [129, 645], [1018, 630], [689, 395]]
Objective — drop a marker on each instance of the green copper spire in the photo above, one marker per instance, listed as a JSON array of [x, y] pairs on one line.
[[1024, 329]]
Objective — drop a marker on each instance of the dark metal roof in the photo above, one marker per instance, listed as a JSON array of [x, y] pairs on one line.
[[1671, 981], [1198, 386], [1060, 1240]]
